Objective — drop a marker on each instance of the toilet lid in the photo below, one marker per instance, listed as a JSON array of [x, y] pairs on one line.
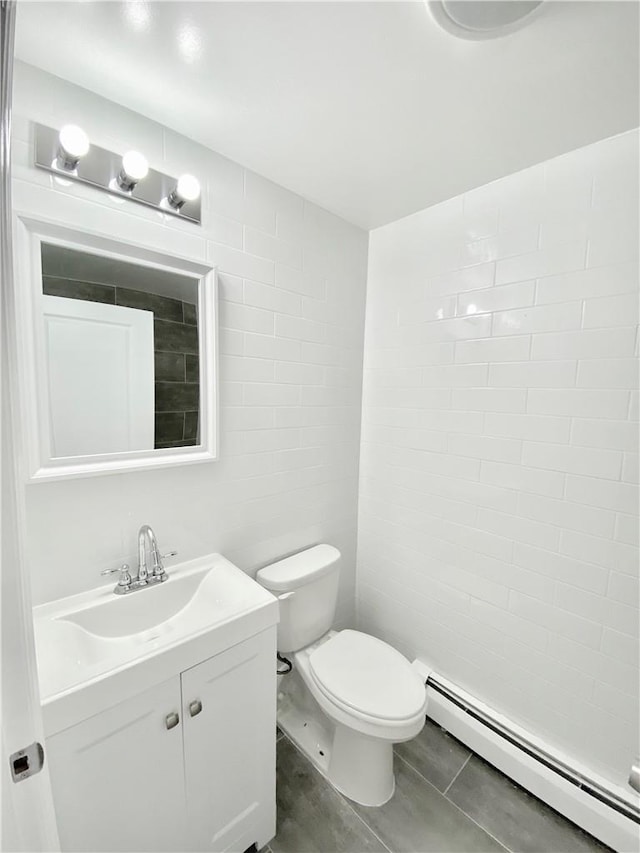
[[368, 675]]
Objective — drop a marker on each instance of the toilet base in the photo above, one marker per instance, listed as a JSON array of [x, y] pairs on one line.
[[361, 767], [300, 718]]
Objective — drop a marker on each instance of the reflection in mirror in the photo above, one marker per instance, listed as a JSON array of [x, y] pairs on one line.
[[121, 346]]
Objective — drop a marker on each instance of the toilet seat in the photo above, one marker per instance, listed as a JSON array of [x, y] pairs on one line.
[[367, 678]]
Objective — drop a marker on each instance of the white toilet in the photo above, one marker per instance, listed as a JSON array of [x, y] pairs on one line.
[[350, 696]]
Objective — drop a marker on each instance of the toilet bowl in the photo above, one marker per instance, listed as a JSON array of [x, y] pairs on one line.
[[374, 699], [350, 696]]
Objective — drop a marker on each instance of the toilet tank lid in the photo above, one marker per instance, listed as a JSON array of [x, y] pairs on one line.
[[299, 569]]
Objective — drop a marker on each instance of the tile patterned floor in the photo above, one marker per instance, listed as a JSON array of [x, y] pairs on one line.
[[447, 800]]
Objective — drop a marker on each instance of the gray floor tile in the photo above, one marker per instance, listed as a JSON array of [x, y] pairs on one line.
[[435, 754], [519, 820], [312, 817], [419, 818]]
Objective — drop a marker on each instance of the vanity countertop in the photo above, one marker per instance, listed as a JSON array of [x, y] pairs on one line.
[[96, 648]]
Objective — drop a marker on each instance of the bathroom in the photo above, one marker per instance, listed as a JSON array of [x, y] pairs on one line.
[[411, 248]]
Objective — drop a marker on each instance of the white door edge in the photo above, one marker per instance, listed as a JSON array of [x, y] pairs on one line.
[[28, 817]]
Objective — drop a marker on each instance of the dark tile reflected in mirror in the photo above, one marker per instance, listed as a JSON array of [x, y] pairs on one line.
[[172, 300]]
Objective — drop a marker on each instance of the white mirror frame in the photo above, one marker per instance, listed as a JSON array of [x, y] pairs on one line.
[[30, 233]]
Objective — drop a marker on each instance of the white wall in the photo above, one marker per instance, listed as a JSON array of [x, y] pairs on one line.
[[498, 524], [292, 288]]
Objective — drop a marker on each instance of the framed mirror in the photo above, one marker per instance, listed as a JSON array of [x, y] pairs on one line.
[[120, 354]]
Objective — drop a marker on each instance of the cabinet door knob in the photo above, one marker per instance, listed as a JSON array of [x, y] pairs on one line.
[[172, 720], [195, 707]]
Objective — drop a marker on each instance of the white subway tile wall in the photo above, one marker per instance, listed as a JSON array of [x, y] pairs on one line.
[[292, 289], [498, 531]]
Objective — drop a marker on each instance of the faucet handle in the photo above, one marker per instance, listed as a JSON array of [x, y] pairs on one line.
[[158, 567], [125, 576]]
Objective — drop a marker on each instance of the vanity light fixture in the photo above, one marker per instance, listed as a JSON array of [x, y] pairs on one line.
[[73, 143], [134, 168], [68, 155], [187, 189]]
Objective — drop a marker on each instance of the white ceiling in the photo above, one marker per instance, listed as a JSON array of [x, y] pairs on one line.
[[369, 109]]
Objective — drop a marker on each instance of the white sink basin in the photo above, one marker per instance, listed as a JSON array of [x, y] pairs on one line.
[[84, 638], [203, 593]]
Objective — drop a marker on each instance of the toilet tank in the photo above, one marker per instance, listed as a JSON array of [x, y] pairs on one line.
[[306, 585]]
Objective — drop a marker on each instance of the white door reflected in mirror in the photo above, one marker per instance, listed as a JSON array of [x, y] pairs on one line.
[[100, 377]]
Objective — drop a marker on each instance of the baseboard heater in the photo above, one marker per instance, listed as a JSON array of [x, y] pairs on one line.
[[611, 815]]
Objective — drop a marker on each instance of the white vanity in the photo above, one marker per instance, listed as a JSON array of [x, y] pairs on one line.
[[160, 712]]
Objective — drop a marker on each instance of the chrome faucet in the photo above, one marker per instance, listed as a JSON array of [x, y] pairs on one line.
[[148, 546], [150, 566], [143, 572]]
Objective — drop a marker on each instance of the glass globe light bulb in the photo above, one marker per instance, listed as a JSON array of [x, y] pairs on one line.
[[73, 143], [134, 168], [187, 189]]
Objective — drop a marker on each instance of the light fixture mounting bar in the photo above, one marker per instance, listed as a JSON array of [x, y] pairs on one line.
[[100, 168]]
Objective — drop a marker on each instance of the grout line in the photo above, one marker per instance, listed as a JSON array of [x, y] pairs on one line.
[[455, 805], [444, 793], [480, 826], [472, 819], [428, 781], [360, 818]]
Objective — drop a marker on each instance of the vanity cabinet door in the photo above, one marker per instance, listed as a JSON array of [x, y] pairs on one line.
[[117, 777], [229, 708]]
